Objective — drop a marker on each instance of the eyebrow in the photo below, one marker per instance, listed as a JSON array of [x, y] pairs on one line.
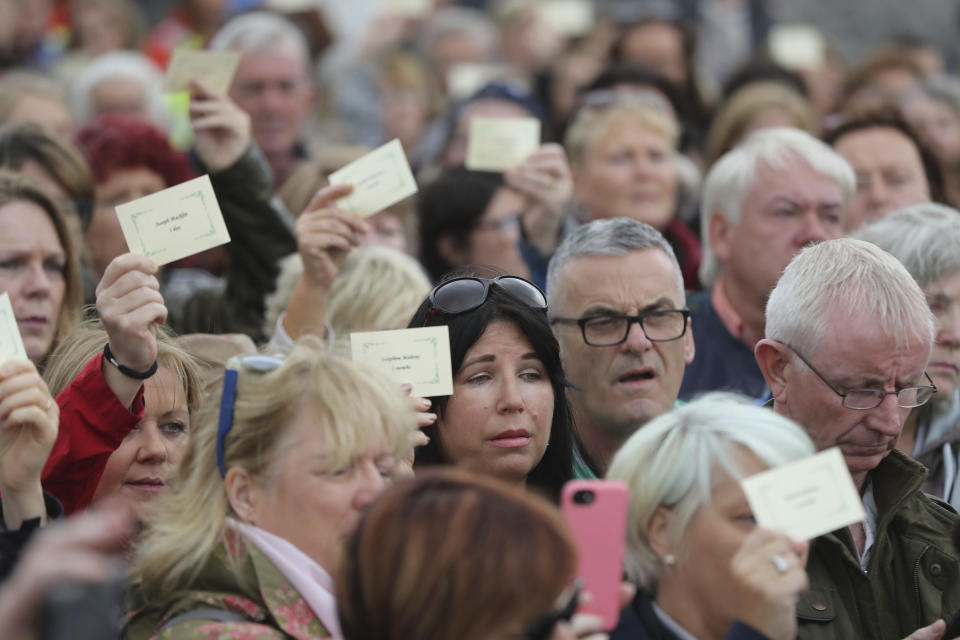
[[489, 357], [662, 302]]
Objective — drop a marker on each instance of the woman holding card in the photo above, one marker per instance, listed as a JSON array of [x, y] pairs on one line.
[[38, 266], [703, 567], [274, 479], [508, 416]]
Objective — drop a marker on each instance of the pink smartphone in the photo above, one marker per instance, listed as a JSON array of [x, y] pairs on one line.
[[596, 513]]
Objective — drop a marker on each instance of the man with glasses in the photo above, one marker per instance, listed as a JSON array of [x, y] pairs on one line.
[[616, 304], [848, 337]]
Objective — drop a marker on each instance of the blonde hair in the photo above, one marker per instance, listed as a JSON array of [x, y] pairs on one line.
[[377, 289], [590, 124], [734, 116], [357, 407], [72, 355]]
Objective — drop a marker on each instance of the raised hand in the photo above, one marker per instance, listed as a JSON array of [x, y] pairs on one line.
[[221, 129], [132, 309], [545, 179], [28, 428]]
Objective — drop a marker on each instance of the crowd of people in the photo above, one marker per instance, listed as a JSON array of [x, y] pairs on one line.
[[733, 248]]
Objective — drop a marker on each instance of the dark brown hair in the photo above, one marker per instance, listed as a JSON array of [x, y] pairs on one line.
[[452, 556]]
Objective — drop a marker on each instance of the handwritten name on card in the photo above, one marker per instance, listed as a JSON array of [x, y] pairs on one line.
[[807, 498], [174, 223], [380, 179], [418, 357]]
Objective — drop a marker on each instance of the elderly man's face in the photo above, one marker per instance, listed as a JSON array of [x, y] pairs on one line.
[[852, 355], [275, 89], [784, 211], [889, 172], [621, 387]]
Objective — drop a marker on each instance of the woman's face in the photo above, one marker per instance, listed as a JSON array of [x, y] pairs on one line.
[[32, 266], [943, 295], [499, 417], [104, 235], [702, 574], [312, 503], [938, 124], [137, 470], [495, 240], [628, 171]]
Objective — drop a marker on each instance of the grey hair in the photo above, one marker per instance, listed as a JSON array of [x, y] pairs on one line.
[[606, 237], [260, 32], [732, 177], [854, 278], [945, 89], [677, 459], [924, 237], [120, 64], [462, 21]]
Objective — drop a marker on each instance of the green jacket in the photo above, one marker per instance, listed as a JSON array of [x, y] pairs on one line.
[[257, 591], [913, 573]]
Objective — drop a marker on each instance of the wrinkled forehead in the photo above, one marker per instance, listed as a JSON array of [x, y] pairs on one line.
[[626, 283]]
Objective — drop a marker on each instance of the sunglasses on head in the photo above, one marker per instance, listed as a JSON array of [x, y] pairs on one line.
[[460, 295], [253, 362]]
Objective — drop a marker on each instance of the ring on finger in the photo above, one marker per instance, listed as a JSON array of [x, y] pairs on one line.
[[779, 563]]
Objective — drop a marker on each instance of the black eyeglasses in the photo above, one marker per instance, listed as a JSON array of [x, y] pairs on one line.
[[460, 295], [863, 399], [255, 362], [542, 628], [607, 330]]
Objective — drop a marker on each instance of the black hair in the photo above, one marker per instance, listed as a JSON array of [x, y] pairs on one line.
[[556, 466], [763, 69], [452, 205], [890, 120]]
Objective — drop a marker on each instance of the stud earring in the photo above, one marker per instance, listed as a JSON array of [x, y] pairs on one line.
[[670, 560]]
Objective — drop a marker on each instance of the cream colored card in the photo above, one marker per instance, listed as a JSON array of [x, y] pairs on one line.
[[418, 357], [214, 69], [466, 78], [572, 18], [11, 344], [501, 144], [380, 179], [411, 8], [174, 223], [797, 46], [807, 498]]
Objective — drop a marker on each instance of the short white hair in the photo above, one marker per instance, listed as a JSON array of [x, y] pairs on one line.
[[605, 237], [924, 237], [855, 279], [261, 32], [731, 179], [128, 65], [677, 459]]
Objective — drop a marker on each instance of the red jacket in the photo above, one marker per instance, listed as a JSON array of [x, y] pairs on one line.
[[93, 423]]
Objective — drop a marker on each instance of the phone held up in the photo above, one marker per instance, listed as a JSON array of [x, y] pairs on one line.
[[596, 513]]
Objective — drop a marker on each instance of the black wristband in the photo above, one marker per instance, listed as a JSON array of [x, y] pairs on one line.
[[127, 371]]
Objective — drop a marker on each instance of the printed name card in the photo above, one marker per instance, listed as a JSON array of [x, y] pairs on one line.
[[501, 144], [174, 223], [466, 78], [11, 344], [380, 179], [807, 498], [418, 357], [214, 69]]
